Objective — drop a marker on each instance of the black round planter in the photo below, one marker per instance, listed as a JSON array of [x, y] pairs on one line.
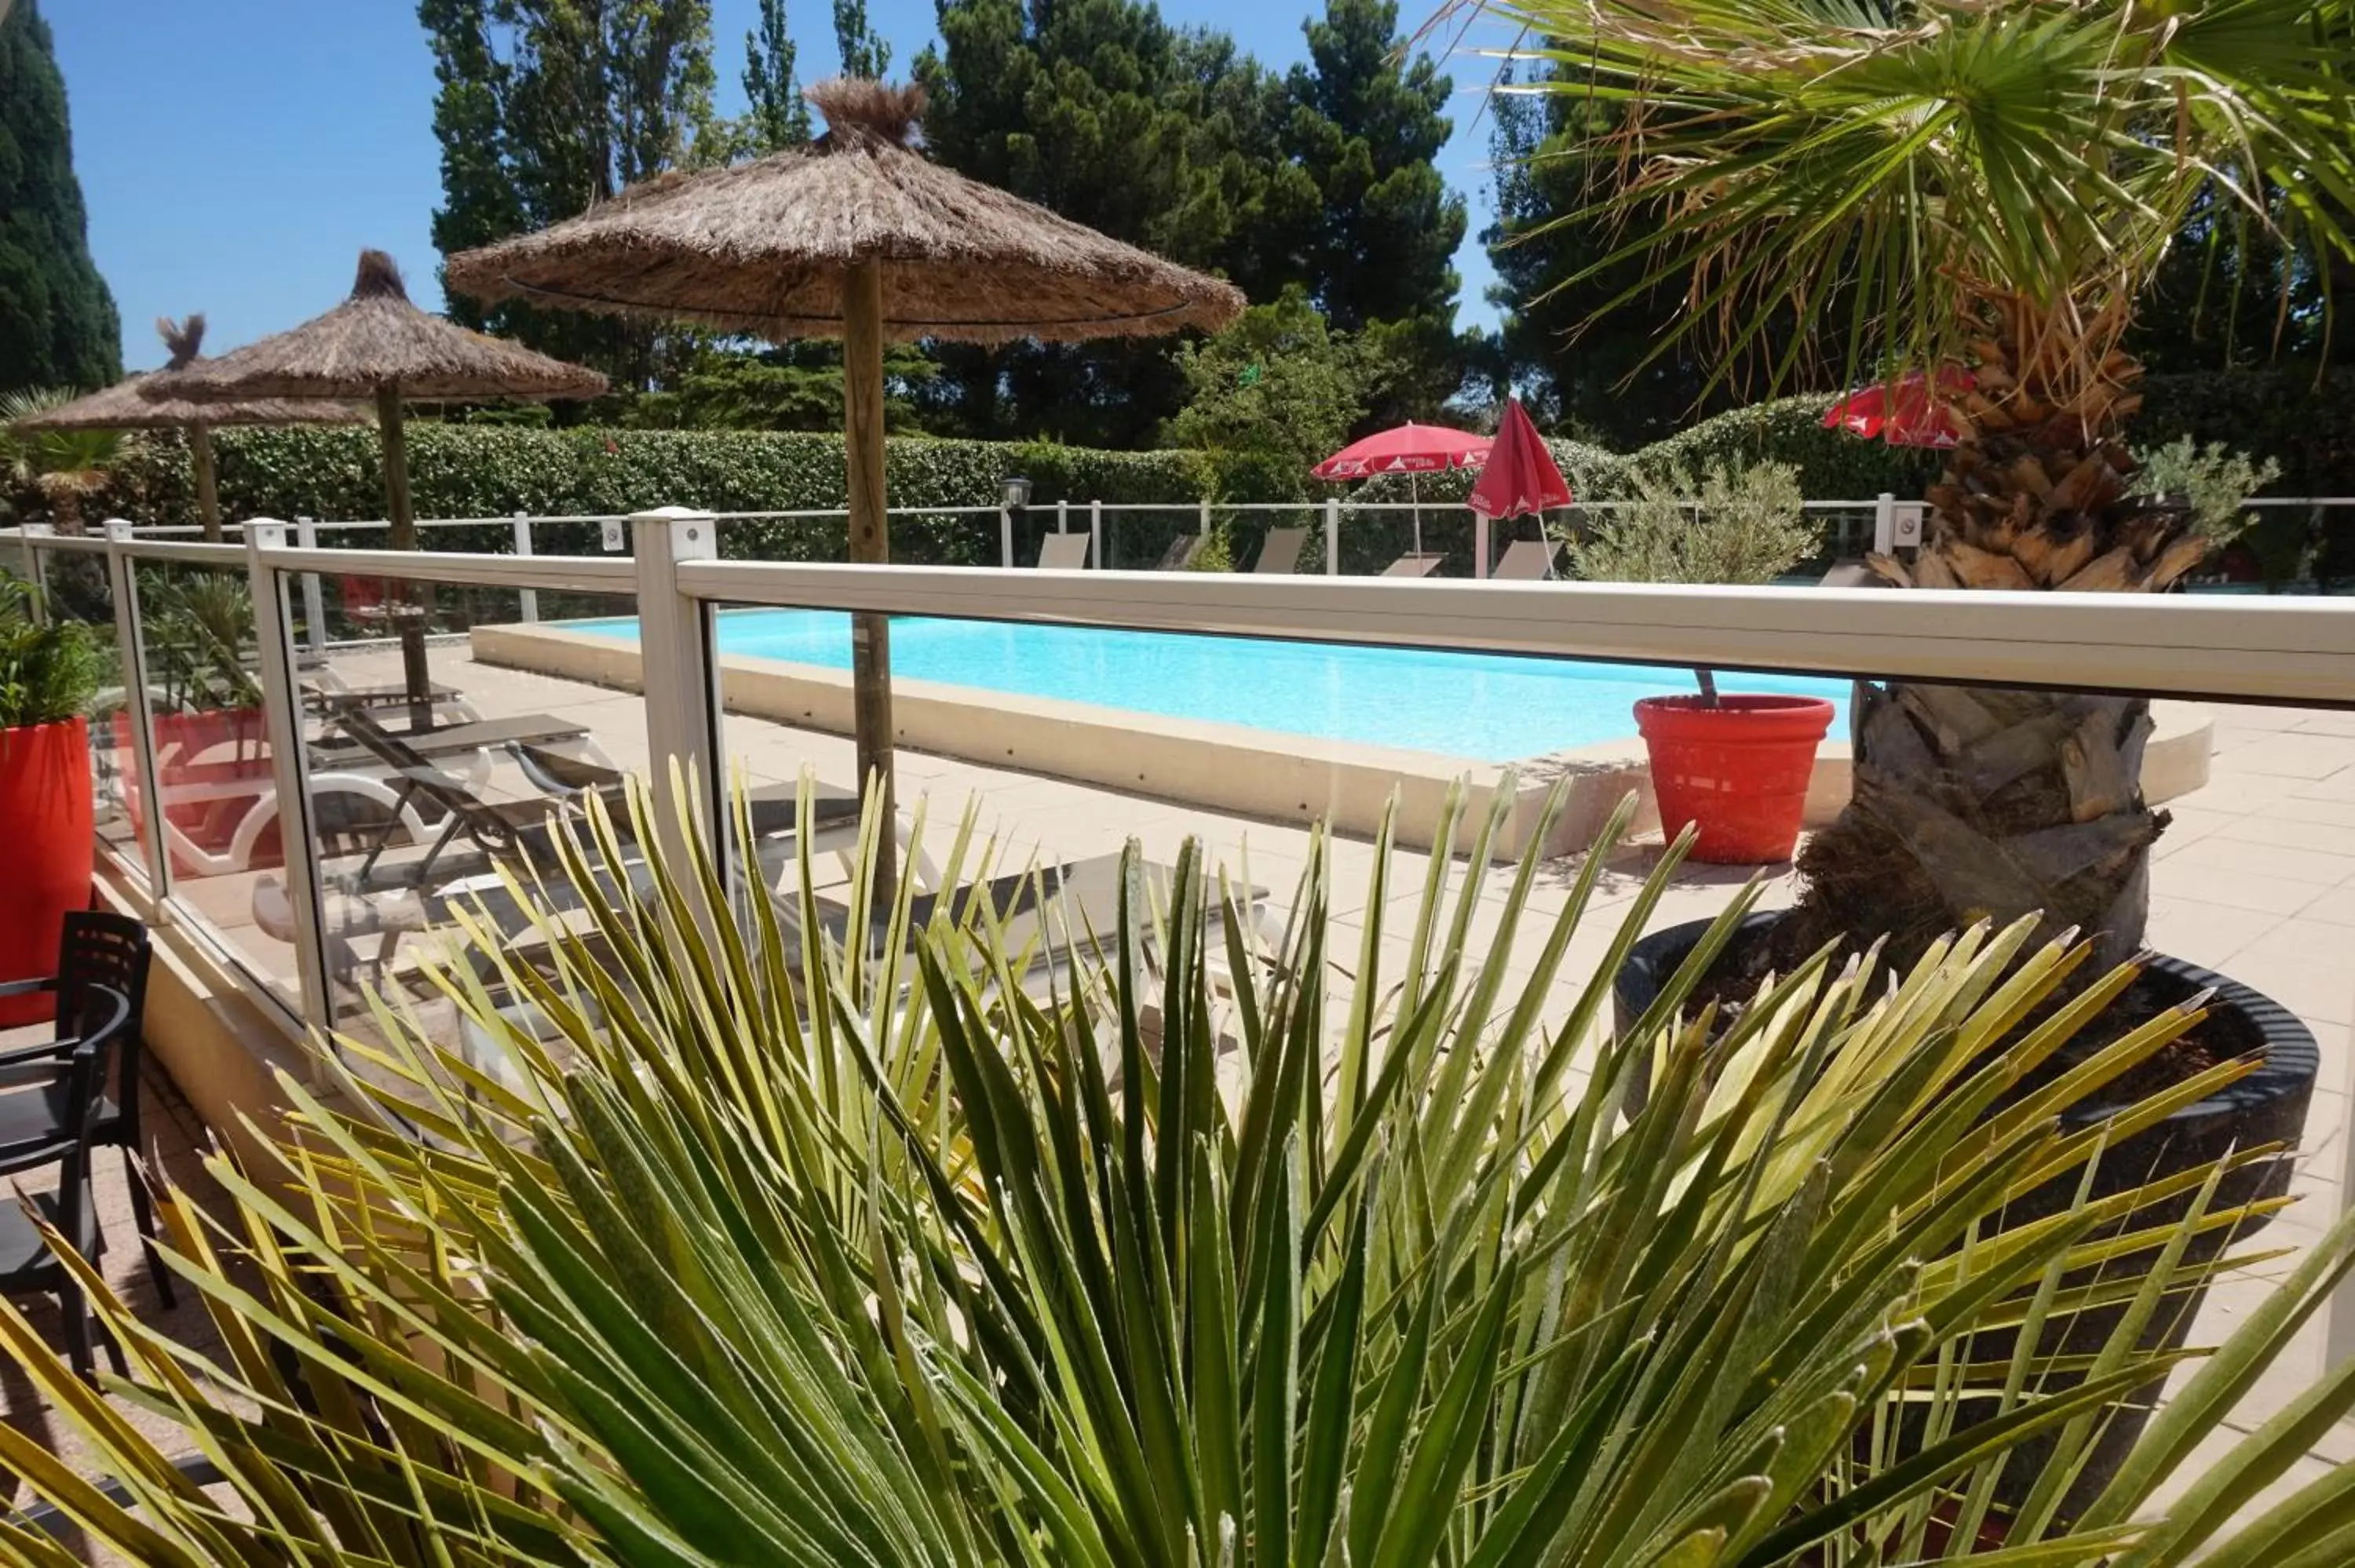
[[2269, 1106]]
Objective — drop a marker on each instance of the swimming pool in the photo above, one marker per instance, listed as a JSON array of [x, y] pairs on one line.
[[1487, 708]]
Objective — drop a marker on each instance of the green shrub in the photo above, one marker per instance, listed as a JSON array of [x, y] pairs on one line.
[[49, 670], [1750, 527], [2215, 480]]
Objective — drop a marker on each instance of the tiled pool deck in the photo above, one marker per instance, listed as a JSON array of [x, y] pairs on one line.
[[2256, 876]]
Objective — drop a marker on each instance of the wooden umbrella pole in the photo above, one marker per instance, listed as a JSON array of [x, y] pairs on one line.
[[200, 458], [870, 542], [408, 622]]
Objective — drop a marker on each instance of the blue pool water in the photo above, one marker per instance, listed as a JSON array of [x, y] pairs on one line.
[[1490, 707]]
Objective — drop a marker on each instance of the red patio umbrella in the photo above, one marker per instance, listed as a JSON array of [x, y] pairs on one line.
[[1909, 415], [1521, 477], [1412, 450]]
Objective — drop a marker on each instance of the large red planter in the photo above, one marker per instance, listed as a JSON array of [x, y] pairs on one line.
[[1739, 769], [45, 821]]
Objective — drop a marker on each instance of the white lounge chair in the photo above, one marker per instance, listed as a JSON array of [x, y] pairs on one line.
[[1279, 550], [1064, 551], [1525, 561], [1413, 565], [1180, 553]]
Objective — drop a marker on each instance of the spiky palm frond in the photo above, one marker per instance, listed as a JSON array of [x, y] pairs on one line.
[[1222, 1248], [1877, 171]]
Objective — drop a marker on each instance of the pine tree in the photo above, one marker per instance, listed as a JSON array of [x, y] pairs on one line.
[[777, 117], [1164, 137], [57, 322], [546, 106], [1365, 126], [863, 50]]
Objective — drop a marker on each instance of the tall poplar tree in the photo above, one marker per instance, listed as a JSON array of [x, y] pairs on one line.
[[775, 117], [546, 106], [57, 322]]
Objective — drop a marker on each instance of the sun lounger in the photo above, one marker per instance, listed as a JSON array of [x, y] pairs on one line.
[[1064, 551], [457, 739], [1180, 553], [1525, 561], [1279, 550], [1413, 565]]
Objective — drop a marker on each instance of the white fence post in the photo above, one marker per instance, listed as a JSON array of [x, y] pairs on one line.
[[1006, 537], [1480, 542], [679, 677], [1062, 517], [314, 602], [1095, 534], [1885, 524], [523, 547], [1202, 521], [36, 569], [131, 646], [282, 713], [1332, 536]]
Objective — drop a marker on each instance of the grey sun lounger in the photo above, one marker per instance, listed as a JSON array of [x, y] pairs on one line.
[[1064, 551], [1279, 551], [1180, 553], [1525, 561], [1413, 565], [449, 740]]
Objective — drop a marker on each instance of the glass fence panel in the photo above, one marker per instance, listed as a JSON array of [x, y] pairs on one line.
[[423, 793], [219, 813], [77, 587]]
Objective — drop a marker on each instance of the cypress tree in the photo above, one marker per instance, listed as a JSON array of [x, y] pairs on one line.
[[57, 322]]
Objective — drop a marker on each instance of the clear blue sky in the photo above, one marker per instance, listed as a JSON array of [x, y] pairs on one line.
[[236, 154]]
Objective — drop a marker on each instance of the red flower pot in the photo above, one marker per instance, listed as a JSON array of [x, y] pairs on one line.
[[44, 816], [1739, 769]]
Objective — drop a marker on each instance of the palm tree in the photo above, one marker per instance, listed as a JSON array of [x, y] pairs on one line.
[[67, 468], [1989, 186]]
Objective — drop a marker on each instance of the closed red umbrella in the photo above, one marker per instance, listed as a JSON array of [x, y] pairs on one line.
[[1521, 477], [1410, 449], [1908, 415]]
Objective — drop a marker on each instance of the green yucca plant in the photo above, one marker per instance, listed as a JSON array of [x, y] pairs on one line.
[[1213, 1244]]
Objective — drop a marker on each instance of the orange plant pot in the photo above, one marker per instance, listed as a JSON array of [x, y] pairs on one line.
[[46, 820], [1739, 770]]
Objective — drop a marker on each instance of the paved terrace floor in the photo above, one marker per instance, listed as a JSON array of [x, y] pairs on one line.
[[2255, 877]]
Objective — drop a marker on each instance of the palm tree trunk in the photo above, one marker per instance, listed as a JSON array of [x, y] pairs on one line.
[[1995, 803]]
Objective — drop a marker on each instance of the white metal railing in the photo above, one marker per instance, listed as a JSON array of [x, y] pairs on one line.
[[2275, 650]]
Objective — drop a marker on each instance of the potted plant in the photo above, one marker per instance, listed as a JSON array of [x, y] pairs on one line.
[[207, 720], [1911, 195], [1734, 764], [49, 672]]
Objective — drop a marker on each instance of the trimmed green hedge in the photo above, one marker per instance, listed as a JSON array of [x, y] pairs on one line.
[[479, 471], [491, 470], [1832, 464]]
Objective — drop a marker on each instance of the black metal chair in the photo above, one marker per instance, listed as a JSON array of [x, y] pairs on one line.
[[27, 1263], [97, 948]]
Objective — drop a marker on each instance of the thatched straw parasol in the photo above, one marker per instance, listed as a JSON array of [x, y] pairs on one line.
[[378, 344], [858, 236], [121, 408]]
